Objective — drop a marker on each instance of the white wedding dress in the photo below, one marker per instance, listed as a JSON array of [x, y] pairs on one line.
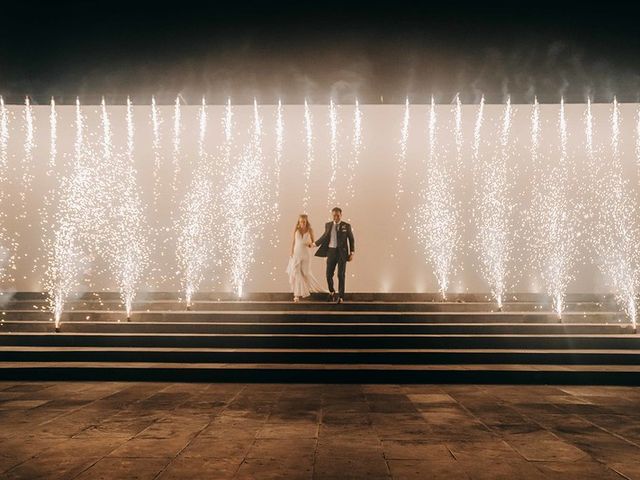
[[302, 281]]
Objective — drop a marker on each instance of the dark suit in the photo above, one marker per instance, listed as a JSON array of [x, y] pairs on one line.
[[338, 256]]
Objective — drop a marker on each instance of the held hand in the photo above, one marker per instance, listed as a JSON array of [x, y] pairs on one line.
[[350, 257]]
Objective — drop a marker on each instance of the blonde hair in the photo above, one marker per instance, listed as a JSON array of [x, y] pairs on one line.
[[301, 216]]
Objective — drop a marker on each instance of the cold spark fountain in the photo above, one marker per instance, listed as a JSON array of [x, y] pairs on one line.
[[308, 130], [196, 220], [333, 153], [402, 156], [559, 224], [66, 255], [493, 213], [618, 231], [247, 201], [356, 147], [130, 255], [437, 226]]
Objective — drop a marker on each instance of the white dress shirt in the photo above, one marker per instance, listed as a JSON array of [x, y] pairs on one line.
[[333, 242]]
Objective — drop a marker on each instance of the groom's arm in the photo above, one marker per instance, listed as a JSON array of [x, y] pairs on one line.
[[319, 241]]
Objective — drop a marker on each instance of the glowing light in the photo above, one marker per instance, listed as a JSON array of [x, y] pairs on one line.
[[333, 153], [308, 128], [458, 126], [53, 138], [493, 214], [535, 131], [402, 156], [156, 122], [176, 141], [65, 252], [439, 232], [130, 255], [246, 198], [559, 226], [356, 146], [29, 145], [618, 231], [194, 245], [477, 130]]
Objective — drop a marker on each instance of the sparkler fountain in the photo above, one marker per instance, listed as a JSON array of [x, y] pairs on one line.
[[618, 229], [247, 202], [308, 130], [559, 224], [196, 220], [402, 156], [333, 153], [65, 249], [130, 254], [94, 218], [356, 146], [493, 214], [439, 234]]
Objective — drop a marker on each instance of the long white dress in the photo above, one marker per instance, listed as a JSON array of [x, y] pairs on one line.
[[301, 280]]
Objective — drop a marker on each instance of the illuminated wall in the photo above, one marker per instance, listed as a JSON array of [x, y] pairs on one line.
[[389, 256]]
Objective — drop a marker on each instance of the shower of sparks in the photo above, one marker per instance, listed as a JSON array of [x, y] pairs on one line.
[[247, 206], [458, 127], [66, 255], [227, 127], [195, 240], [176, 142], [276, 169], [618, 230], [130, 255], [333, 153], [202, 128], [106, 131], [308, 128], [556, 239], [156, 122], [638, 141], [53, 138], [438, 226], [356, 146], [29, 145], [477, 130], [589, 128], [493, 215], [130, 130], [4, 134], [535, 132], [402, 156], [7, 247]]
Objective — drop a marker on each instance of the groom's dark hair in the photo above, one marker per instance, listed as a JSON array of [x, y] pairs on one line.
[[336, 209]]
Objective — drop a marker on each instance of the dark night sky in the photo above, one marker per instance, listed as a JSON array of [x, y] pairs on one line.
[[274, 49]]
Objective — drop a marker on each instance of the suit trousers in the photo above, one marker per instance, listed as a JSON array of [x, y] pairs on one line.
[[334, 259]]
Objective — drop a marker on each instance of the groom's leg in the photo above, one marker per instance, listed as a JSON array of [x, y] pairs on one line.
[[332, 260], [342, 269]]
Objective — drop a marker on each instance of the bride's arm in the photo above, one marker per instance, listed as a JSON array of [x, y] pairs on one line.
[[293, 243], [311, 236]]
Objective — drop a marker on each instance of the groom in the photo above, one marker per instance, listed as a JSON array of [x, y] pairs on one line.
[[338, 245]]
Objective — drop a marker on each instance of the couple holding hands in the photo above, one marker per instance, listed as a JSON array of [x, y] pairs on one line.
[[336, 244]]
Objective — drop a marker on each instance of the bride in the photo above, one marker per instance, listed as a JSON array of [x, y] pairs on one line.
[[301, 279]]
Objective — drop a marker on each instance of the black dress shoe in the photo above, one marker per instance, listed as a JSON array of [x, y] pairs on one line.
[[340, 300], [332, 296]]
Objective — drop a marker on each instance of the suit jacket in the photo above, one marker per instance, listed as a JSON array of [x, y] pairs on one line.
[[346, 243]]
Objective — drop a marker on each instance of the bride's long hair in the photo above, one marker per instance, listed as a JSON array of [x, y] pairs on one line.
[[300, 217]]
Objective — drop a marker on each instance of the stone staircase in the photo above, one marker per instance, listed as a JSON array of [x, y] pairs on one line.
[[373, 337]]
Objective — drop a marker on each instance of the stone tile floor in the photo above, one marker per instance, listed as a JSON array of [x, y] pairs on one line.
[[85, 430]]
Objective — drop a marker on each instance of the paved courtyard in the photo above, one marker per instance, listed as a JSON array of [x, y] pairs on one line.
[[242, 431]]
